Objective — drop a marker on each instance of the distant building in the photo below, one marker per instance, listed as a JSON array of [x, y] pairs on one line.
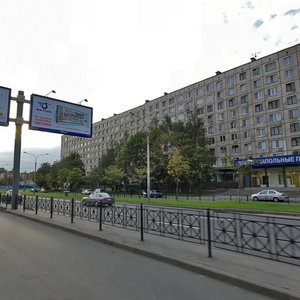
[[251, 115]]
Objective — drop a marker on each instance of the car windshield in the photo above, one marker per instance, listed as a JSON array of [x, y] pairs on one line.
[[100, 195]]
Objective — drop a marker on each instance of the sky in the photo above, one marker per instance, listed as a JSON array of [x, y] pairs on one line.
[[117, 54]]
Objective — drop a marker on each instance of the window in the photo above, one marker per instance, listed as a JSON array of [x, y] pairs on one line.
[[256, 71], [188, 94], [259, 107], [209, 98], [171, 101], [181, 117], [199, 111], [273, 104], [210, 119], [260, 132], [221, 116], [277, 144], [276, 130], [275, 117], [270, 66], [230, 80], [232, 114], [271, 79], [235, 148], [210, 130], [258, 95], [243, 76], [245, 110], [287, 60], [219, 95], [295, 141], [233, 124], [222, 138], [219, 84], [172, 110], [180, 107], [179, 98], [247, 147], [273, 91], [231, 102], [200, 90], [234, 136], [231, 91], [164, 103], [243, 87], [157, 106], [221, 127], [247, 135], [257, 83], [220, 105], [294, 127], [290, 87], [245, 123], [209, 108], [262, 145], [209, 87], [244, 99], [223, 150], [260, 120], [291, 100], [293, 113], [289, 73]]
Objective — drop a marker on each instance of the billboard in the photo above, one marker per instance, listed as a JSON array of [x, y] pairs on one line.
[[53, 115], [4, 105]]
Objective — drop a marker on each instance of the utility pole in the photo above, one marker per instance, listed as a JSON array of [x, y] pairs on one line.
[[17, 150]]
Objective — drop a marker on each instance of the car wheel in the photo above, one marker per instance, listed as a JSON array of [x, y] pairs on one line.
[[255, 199], [275, 199]]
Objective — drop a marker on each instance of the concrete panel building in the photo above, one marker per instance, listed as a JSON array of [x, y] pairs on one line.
[[251, 115]]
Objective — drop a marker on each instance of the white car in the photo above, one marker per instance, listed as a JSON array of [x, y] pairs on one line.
[[270, 195]]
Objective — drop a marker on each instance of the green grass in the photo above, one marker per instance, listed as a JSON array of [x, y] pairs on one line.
[[249, 206], [234, 205]]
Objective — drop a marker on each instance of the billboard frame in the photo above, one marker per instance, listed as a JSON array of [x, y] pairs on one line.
[[6, 118], [60, 106]]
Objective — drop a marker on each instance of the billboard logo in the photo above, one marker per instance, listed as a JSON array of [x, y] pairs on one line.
[[43, 107]]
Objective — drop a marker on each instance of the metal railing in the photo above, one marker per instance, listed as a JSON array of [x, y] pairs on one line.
[[271, 237]]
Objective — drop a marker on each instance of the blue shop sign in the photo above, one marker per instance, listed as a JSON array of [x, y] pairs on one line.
[[271, 161]]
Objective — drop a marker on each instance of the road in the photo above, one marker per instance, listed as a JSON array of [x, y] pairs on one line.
[[42, 262]]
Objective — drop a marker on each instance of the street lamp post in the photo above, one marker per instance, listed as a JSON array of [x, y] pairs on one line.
[[148, 154], [35, 166]]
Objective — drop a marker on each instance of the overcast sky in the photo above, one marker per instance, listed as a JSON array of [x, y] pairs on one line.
[[119, 53]]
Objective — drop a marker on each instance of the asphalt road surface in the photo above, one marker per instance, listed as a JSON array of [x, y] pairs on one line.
[[38, 262]]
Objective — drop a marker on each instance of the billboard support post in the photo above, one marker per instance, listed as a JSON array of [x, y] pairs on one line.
[[17, 150]]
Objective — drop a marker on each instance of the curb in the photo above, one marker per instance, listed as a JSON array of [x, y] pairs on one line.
[[203, 270]]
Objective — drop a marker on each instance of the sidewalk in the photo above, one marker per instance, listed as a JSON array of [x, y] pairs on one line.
[[271, 278]]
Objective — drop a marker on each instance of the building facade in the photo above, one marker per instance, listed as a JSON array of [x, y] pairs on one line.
[[251, 114]]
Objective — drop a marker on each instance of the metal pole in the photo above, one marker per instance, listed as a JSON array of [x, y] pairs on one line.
[[100, 217], [51, 207], [142, 221], [208, 232], [148, 165], [17, 149], [72, 210]]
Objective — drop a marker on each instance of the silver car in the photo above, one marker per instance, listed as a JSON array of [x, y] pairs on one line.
[[270, 195], [98, 199]]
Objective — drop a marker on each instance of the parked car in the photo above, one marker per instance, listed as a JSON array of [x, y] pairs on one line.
[[97, 199], [43, 190], [86, 192], [270, 195], [153, 194]]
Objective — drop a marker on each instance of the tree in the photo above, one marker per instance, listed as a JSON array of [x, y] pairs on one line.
[[178, 168], [114, 176]]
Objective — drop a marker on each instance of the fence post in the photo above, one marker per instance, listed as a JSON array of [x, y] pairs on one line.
[[208, 232], [24, 202], [142, 221], [36, 204], [72, 210], [51, 207], [100, 217]]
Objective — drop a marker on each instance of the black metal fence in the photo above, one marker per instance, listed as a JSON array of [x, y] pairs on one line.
[[276, 238]]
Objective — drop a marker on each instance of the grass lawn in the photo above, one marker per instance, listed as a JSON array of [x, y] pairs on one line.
[[249, 206], [236, 205]]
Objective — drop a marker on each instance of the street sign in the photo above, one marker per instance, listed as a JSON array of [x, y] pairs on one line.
[[4, 105]]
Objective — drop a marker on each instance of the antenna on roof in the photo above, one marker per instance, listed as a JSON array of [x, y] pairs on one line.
[[254, 55]]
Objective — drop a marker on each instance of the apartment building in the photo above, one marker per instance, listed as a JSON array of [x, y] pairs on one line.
[[251, 116]]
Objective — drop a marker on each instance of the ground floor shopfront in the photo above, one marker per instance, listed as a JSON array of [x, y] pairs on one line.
[[272, 171]]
